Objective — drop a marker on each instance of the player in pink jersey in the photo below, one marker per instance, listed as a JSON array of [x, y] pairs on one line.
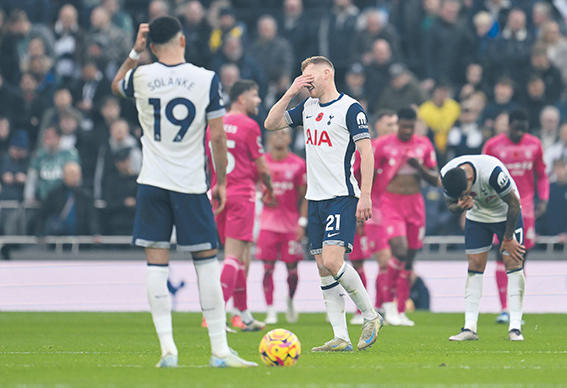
[[236, 222], [370, 238], [522, 154], [282, 225], [401, 161]]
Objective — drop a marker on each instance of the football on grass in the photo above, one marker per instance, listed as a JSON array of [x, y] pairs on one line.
[[280, 347]]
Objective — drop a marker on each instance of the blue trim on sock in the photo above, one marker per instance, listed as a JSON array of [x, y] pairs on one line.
[[514, 270], [329, 286], [157, 265], [477, 272], [204, 258]]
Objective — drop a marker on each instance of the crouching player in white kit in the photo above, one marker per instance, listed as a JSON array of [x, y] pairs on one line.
[[482, 186], [175, 101], [334, 126]]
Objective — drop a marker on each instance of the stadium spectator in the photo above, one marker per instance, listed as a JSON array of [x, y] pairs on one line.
[[118, 16], [46, 166], [551, 76], [5, 134], [228, 26], [8, 96], [556, 47], [69, 44], [119, 44], [336, 32], [68, 209], [13, 171], [466, 137], [556, 151], [158, 8], [474, 83], [38, 11], [89, 91], [297, 27], [62, 104], [403, 90], [542, 13], [501, 102], [554, 222], [535, 99], [355, 84], [377, 72], [197, 31], [440, 113], [375, 26], [109, 111], [273, 53], [229, 73], [548, 131], [509, 54], [32, 106], [233, 52], [484, 28], [120, 138], [447, 45], [119, 195]]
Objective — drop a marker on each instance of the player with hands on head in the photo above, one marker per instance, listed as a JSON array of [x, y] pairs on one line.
[[175, 102], [335, 125], [481, 186]]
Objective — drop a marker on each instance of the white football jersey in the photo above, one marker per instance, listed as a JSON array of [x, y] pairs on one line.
[[492, 181], [330, 133], [174, 104]]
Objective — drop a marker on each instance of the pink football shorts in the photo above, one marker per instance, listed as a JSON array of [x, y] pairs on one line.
[[237, 219], [404, 215], [272, 246]]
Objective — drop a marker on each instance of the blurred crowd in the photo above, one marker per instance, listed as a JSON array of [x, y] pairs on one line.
[[71, 149]]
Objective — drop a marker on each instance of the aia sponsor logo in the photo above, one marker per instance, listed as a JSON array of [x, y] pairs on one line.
[[318, 138], [319, 117]]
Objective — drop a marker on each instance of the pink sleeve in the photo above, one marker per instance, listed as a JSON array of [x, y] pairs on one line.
[[486, 148], [541, 176], [254, 141], [430, 159]]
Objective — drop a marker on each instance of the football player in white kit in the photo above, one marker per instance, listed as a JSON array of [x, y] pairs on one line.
[[482, 186], [335, 125], [175, 102]]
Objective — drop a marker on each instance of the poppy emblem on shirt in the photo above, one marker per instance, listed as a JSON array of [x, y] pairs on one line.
[[319, 117]]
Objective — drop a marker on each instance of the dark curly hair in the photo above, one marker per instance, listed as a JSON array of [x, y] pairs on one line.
[[455, 182], [163, 29]]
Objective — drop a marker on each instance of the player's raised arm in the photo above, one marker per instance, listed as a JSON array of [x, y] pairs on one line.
[[364, 207], [218, 145], [276, 119], [132, 60]]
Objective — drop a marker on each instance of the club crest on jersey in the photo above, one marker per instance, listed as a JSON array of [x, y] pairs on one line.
[[319, 117], [330, 118], [315, 138]]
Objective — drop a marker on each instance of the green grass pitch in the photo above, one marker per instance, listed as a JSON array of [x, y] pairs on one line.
[[121, 349]]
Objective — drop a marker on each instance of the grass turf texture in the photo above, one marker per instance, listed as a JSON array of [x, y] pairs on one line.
[[121, 349]]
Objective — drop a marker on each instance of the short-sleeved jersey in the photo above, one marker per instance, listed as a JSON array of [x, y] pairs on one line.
[[492, 181], [523, 160], [331, 131], [288, 175], [391, 158], [174, 104], [244, 146]]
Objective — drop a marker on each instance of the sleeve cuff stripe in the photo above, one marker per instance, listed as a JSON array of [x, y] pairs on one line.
[[288, 119], [361, 136], [216, 114]]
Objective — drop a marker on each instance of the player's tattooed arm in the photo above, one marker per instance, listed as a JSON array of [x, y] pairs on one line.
[[509, 243], [458, 206]]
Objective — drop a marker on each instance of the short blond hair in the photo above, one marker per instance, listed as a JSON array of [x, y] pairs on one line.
[[317, 60]]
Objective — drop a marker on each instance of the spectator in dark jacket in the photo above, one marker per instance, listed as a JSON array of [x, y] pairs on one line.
[[69, 209]]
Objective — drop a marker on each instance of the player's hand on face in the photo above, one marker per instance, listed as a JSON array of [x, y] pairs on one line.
[[364, 209], [299, 83], [141, 38], [219, 198], [465, 202], [514, 248]]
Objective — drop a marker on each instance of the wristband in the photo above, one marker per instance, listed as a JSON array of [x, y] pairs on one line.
[[134, 55], [302, 222], [507, 239]]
